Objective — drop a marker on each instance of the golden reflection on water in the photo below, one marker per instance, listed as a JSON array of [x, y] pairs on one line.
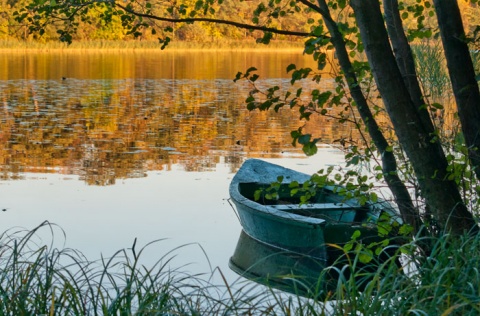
[[117, 117], [147, 64]]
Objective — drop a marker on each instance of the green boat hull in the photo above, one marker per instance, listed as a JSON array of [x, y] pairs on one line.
[[307, 229]]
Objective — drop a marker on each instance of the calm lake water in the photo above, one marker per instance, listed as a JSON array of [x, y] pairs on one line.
[[142, 145]]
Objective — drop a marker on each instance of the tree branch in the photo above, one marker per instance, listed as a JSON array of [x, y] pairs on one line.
[[218, 21]]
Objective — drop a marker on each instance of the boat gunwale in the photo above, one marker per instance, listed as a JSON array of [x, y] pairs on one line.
[[246, 176]]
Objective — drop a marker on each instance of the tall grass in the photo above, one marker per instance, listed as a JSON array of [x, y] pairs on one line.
[[475, 55], [39, 279], [431, 68], [446, 282]]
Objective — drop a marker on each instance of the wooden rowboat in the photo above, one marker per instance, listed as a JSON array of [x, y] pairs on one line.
[[281, 222]]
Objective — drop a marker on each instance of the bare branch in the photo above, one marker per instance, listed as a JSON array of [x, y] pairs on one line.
[[218, 21]]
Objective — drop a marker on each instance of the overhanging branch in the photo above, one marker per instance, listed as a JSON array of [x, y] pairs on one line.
[[217, 21]]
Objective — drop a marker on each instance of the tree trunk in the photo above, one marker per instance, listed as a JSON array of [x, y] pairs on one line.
[[425, 154], [462, 76], [389, 164], [404, 57]]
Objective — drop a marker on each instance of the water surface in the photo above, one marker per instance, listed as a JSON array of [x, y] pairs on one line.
[[142, 146]]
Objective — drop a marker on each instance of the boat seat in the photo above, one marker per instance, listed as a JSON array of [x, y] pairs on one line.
[[334, 211], [316, 206]]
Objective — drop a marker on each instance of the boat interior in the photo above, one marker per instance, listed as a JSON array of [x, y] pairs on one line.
[[325, 204]]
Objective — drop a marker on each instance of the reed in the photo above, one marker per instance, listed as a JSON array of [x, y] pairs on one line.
[[43, 280], [475, 55], [104, 45], [431, 68], [444, 282], [40, 279]]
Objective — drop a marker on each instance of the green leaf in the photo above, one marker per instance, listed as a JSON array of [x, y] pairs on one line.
[[304, 139], [405, 230], [295, 134], [238, 76], [354, 161], [291, 67], [384, 229], [299, 92], [293, 184], [318, 31], [348, 247], [356, 234], [310, 149], [438, 106], [323, 97], [366, 256], [373, 197]]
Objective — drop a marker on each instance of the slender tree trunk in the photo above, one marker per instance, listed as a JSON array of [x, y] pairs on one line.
[[404, 57], [462, 76], [405, 60], [425, 154], [389, 164]]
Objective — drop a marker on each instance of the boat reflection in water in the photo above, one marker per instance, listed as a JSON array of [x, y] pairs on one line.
[[278, 268]]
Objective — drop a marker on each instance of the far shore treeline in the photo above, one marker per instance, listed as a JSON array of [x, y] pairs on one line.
[[95, 33], [98, 34]]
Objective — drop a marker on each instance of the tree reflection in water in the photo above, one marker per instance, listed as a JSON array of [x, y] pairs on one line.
[[104, 130]]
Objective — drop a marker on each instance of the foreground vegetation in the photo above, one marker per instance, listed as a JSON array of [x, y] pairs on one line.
[[37, 278]]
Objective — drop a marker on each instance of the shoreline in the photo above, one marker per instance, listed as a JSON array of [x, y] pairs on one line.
[[133, 46], [144, 50]]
